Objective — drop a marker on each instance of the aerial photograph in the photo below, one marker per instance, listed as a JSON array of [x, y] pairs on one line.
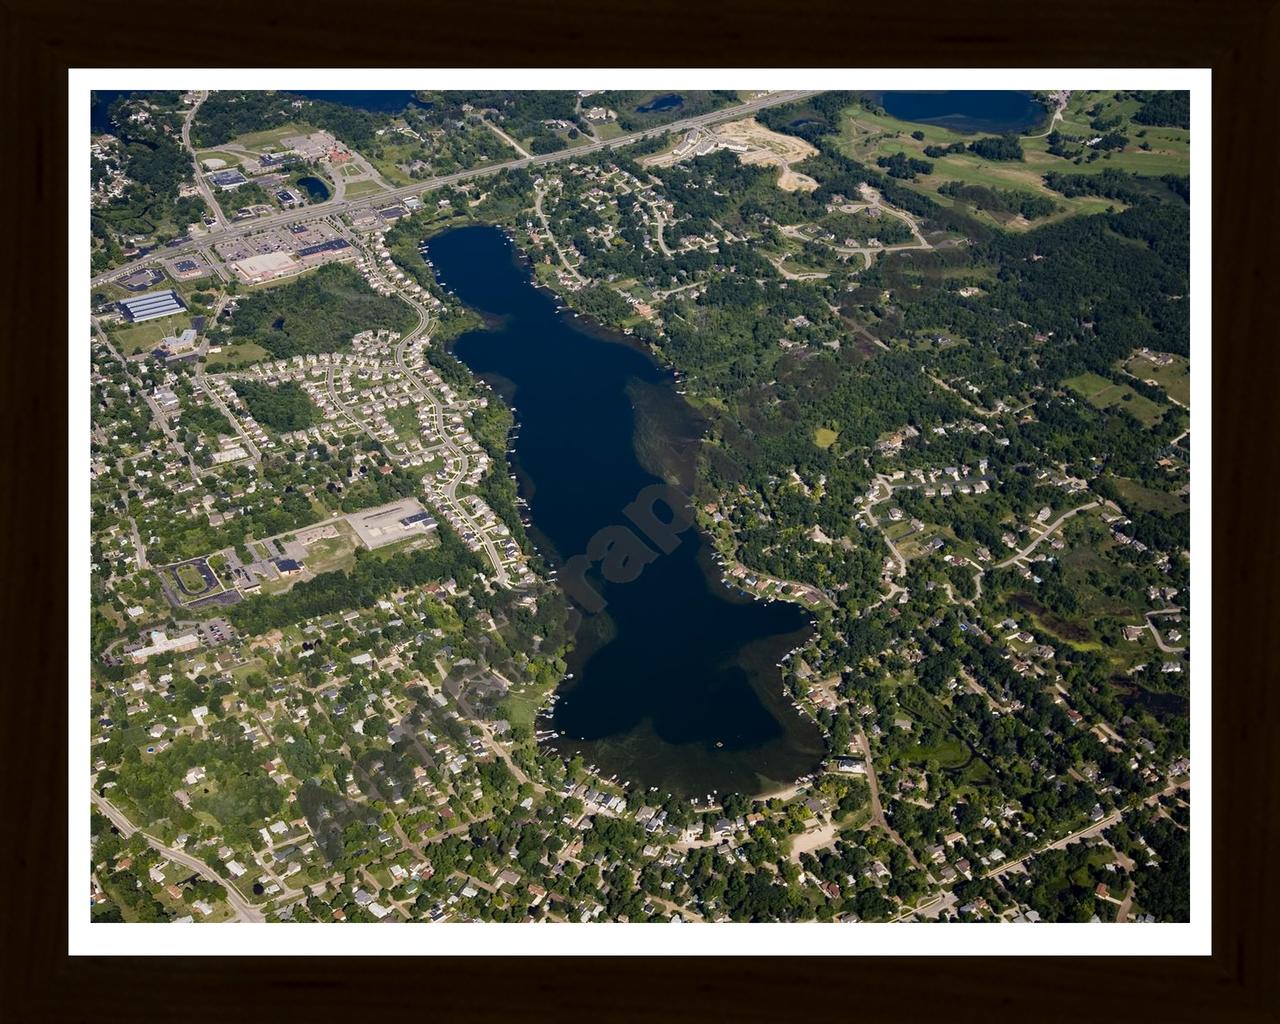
[[636, 506]]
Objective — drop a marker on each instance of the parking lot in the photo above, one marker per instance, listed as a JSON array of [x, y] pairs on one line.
[[378, 526], [278, 239], [186, 268], [215, 632]]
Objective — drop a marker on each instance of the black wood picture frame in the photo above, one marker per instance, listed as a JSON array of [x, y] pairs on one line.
[[1236, 38]]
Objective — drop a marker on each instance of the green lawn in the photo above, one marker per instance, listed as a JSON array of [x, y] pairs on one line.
[[243, 354], [1175, 378], [271, 139], [356, 189], [404, 421], [866, 136], [136, 338], [230, 159], [1148, 499], [949, 752], [1104, 394], [825, 437], [239, 672], [608, 130], [394, 154], [191, 579]]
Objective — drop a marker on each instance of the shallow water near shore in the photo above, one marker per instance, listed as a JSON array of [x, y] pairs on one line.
[[675, 683]]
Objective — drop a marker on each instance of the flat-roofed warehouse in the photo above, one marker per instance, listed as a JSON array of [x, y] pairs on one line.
[[151, 306]]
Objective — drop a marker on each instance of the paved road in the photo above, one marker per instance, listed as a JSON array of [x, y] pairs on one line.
[[877, 809], [254, 454], [506, 138], [1097, 828], [660, 228], [867, 252], [1048, 531], [431, 184], [139, 551], [546, 226], [1060, 99], [244, 910], [947, 387], [1175, 610], [948, 897], [209, 198]]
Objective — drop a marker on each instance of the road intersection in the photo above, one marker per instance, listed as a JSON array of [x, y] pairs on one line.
[[418, 188]]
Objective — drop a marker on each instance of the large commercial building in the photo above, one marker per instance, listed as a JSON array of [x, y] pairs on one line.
[[227, 180], [163, 644], [151, 306]]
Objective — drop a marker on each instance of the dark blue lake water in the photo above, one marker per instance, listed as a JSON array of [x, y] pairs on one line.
[[967, 110], [663, 102], [100, 101], [675, 682], [317, 190]]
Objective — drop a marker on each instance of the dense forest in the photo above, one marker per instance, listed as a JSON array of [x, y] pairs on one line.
[[1000, 200], [1165, 108], [148, 151], [319, 312], [373, 577], [225, 115], [281, 407], [1122, 185], [1001, 147]]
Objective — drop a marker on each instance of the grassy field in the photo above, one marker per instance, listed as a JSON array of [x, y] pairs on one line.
[[1175, 378], [866, 136], [608, 130], [271, 139], [240, 672], [1104, 394], [825, 437], [1170, 151], [333, 552], [356, 189], [191, 580], [136, 338], [949, 752], [239, 355], [1148, 499], [230, 159], [394, 154]]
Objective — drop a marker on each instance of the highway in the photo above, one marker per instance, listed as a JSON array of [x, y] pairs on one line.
[[418, 188]]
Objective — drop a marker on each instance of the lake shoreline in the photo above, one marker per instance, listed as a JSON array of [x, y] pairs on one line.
[[693, 699]]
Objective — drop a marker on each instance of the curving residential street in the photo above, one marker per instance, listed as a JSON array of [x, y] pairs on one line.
[[1048, 531], [546, 226], [244, 910]]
